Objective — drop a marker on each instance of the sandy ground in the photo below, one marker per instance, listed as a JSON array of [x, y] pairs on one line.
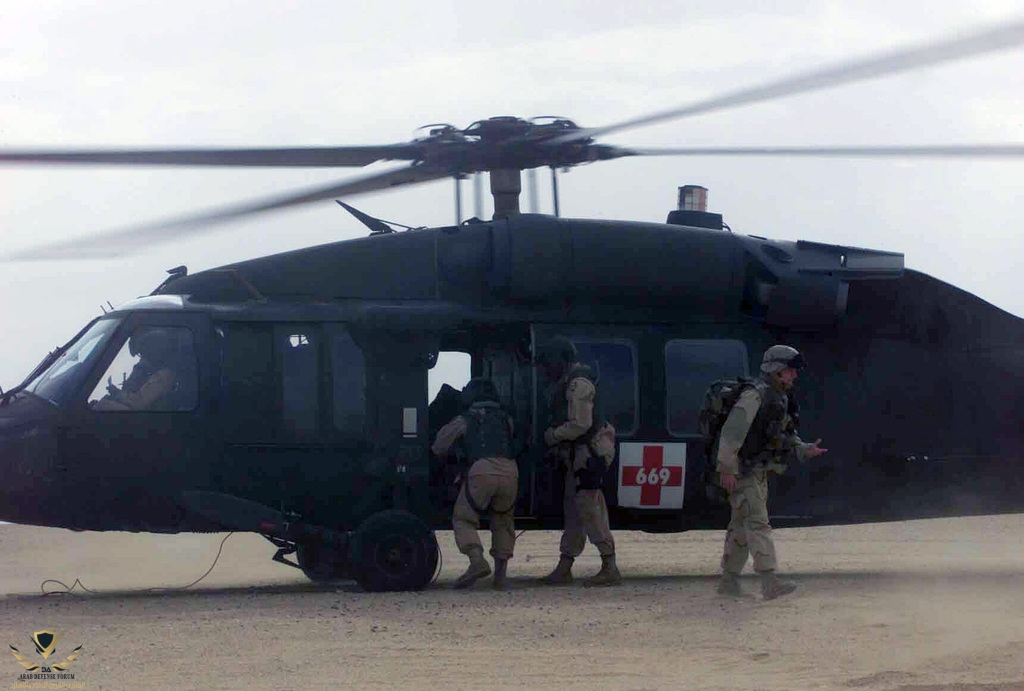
[[923, 606]]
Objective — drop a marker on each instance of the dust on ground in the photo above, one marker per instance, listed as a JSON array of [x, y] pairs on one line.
[[930, 605]]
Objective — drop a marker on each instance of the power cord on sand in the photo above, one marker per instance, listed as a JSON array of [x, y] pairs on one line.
[[78, 583], [440, 562]]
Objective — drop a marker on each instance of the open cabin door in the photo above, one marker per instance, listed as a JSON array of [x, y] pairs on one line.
[[501, 354], [507, 362]]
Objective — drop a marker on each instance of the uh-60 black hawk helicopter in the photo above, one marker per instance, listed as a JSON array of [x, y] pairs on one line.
[[299, 402]]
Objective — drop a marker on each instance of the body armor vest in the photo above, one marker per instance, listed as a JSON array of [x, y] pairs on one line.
[[560, 402], [487, 433], [770, 430]]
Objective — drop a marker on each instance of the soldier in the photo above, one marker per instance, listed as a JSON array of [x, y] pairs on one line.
[[759, 436], [156, 377], [484, 433], [585, 448]]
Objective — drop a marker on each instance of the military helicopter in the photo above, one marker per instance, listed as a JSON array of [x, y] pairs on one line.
[[294, 400]]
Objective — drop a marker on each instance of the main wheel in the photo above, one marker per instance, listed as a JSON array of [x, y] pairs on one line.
[[322, 563], [394, 550]]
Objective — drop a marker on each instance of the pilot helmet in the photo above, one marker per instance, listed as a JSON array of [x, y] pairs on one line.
[[156, 345]]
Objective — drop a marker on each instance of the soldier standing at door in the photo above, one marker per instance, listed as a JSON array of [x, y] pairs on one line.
[[585, 446]]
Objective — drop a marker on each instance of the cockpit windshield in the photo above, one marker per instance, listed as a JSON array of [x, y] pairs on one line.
[[60, 380]]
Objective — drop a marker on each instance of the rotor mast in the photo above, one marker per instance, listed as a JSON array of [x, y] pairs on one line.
[[506, 184]]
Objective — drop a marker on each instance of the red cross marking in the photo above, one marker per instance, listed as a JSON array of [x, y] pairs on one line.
[[653, 477]]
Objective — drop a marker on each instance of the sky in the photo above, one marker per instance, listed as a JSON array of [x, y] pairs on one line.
[[216, 73]]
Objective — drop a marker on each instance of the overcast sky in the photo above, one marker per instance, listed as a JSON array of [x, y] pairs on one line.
[[260, 73]]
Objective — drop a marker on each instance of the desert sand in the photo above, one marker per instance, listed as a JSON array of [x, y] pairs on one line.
[[916, 606]]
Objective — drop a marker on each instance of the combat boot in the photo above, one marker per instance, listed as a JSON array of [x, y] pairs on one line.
[[729, 585], [477, 569], [608, 575], [772, 586], [562, 575], [500, 569]]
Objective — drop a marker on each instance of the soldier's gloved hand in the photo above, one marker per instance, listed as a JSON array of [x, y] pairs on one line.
[[549, 436], [728, 482]]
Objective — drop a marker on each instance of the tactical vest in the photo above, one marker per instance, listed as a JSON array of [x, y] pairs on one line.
[[772, 427], [560, 402], [487, 433]]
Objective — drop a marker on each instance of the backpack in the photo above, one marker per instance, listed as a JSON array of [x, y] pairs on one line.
[[487, 432], [719, 399]]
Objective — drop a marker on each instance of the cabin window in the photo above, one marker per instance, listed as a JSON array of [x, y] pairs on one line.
[[614, 362], [155, 370], [247, 384], [349, 383], [690, 367], [297, 349]]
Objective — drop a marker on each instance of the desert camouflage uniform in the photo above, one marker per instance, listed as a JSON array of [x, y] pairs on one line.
[[143, 396], [749, 532], [586, 513], [493, 483]]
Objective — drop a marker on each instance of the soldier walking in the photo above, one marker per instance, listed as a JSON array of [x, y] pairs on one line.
[[484, 435], [585, 448], [759, 436]]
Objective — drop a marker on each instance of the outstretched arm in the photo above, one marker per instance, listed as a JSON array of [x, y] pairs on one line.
[[806, 451]]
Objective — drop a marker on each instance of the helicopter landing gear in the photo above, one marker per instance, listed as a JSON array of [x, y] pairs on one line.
[[322, 562], [320, 553], [394, 550]]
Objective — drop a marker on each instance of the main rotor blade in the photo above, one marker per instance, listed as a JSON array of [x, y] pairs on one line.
[[938, 151], [127, 240], [287, 157], [986, 41]]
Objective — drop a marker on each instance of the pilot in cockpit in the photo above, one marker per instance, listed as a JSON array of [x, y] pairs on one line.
[[165, 361]]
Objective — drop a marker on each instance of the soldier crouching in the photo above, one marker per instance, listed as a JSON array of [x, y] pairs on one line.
[[483, 433]]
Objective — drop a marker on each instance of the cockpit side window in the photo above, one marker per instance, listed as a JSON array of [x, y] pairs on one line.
[[64, 376], [155, 370]]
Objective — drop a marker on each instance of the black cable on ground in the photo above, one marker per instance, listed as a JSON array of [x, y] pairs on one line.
[[78, 583]]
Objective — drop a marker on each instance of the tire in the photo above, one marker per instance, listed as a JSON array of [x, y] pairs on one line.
[[322, 563], [394, 550]]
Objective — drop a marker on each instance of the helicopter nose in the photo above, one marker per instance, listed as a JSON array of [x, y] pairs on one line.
[[27, 455]]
